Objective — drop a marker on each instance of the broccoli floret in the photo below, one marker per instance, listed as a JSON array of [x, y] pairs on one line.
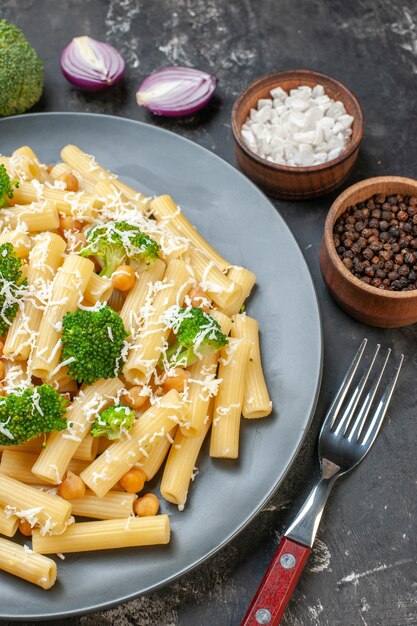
[[111, 422], [6, 187], [30, 414], [21, 71], [114, 242], [198, 334], [94, 340], [10, 285]]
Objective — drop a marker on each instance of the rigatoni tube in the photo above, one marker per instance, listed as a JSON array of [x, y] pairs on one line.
[[170, 217], [256, 400], [219, 287], [144, 355], [228, 403], [61, 446], [45, 258], [24, 563], [52, 513], [37, 216], [105, 535], [180, 464], [8, 524], [114, 505], [136, 297], [109, 467], [246, 280], [68, 287]]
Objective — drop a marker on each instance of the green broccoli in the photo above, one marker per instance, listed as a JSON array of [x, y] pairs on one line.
[[111, 422], [197, 334], [114, 242], [94, 340], [10, 285], [34, 412], [6, 187], [21, 71]]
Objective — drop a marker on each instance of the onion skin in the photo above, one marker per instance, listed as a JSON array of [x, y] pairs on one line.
[[176, 91], [91, 65]]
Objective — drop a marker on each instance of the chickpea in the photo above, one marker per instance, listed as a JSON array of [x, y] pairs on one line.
[[2, 391], [78, 241], [72, 487], [133, 397], [70, 180], [25, 528], [177, 380], [147, 505], [123, 278], [69, 223], [133, 481], [199, 299], [1, 370]]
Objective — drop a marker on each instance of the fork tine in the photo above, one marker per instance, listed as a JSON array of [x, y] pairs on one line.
[[356, 396], [382, 408], [360, 420], [333, 412]]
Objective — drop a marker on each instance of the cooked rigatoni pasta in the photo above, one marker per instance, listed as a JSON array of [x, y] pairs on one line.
[[18, 465], [51, 513], [98, 289], [152, 463], [114, 505], [45, 258], [20, 241], [68, 287], [37, 217], [8, 524], [228, 402], [27, 564], [246, 280], [104, 535], [256, 400], [170, 215], [110, 466], [61, 446], [116, 360], [180, 465], [148, 345], [137, 296]]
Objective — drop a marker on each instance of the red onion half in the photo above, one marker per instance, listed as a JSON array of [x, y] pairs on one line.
[[174, 91], [91, 65]]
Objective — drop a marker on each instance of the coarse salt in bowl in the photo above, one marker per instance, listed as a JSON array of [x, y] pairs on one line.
[[297, 133], [301, 128]]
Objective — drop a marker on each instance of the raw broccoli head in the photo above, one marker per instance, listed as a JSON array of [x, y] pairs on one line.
[[30, 414], [113, 421], [6, 187], [21, 71], [198, 334], [94, 340], [10, 285], [114, 242]]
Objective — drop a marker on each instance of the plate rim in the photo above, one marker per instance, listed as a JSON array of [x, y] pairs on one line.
[[313, 403]]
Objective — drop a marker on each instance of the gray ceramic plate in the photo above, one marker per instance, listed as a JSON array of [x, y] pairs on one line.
[[238, 220]]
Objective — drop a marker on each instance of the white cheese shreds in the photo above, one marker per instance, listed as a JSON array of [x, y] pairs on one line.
[[300, 129]]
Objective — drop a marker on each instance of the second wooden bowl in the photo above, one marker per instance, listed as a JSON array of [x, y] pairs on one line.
[[283, 181], [383, 308]]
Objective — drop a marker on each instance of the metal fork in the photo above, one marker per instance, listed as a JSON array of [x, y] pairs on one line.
[[347, 434]]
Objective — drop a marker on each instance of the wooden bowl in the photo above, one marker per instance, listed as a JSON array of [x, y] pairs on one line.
[[283, 181], [386, 309]]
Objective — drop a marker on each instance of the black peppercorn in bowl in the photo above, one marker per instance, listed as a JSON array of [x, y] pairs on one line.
[[368, 253]]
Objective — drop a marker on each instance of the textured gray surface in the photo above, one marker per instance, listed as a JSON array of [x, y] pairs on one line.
[[363, 569]]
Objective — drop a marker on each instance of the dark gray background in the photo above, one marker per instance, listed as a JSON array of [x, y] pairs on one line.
[[363, 569]]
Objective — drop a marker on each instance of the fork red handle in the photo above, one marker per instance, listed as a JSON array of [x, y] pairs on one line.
[[275, 590]]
